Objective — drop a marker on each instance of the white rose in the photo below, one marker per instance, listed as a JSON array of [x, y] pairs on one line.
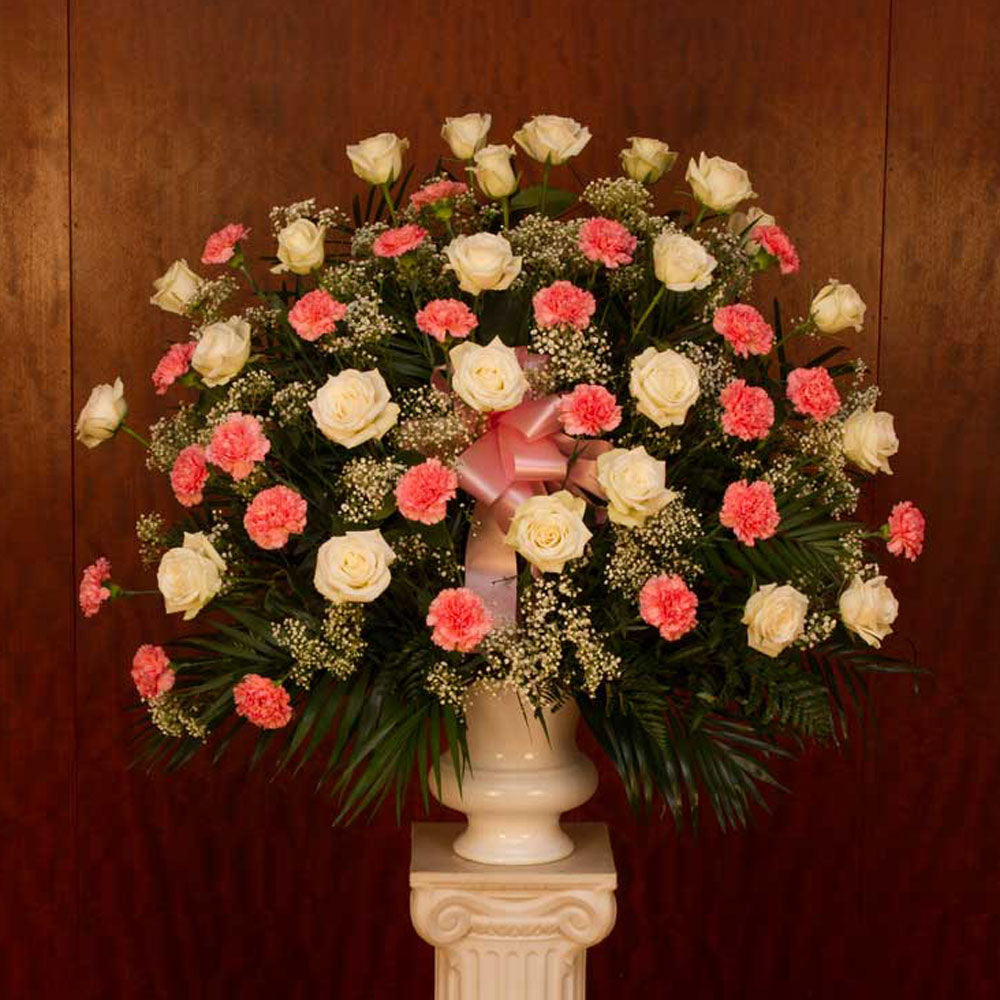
[[379, 159], [175, 288], [664, 385], [717, 183], [775, 617], [681, 263], [300, 247], [495, 172], [549, 530], [190, 576], [466, 134], [483, 262], [487, 378], [552, 138], [353, 407], [222, 351], [634, 482], [743, 224], [836, 307], [353, 567], [647, 160], [870, 440], [102, 414], [868, 608]]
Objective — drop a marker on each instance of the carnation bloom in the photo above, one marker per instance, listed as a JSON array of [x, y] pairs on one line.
[[746, 331], [315, 314], [669, 604], [151, 671], [438, 191], [607, 242], [443, 317], [221, 246], [423, 492], [906, 531], [237, 445], [273, 515], [175, 363], [813, 392], [589, 410], [748, 410], [562, 303], [189, 475], [774, 240], [749, 509], [93, 593], [459, 619], [396, 242], [262, 702]]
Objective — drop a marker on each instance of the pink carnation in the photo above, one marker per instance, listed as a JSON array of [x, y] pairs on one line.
[[262, 702], [315, 314], [669, 604], [423, 492], [459, 619], [151, 671], [589, 410], [175, 363], [220, 246], [237, 445], [442, 317], [749, 509], [906, 531], [396, 242], [273, 515], [93, 593], [749, 411], [744, 328], [607, 241], [775, 241], [437, 191], [189, 475], [563, 303], [813, 392]]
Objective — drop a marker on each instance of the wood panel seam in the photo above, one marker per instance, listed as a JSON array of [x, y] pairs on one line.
[[74, 642]]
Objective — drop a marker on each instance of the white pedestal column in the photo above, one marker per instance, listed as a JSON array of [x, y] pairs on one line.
[[512, 932]]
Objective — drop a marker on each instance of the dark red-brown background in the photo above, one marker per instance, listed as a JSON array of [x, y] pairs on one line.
[[129, 130]]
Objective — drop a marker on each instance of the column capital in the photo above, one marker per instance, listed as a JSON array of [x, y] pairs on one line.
[[515, 933]]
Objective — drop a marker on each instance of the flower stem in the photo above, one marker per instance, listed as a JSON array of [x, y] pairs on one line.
[[252, 281], [388, 200], [545, 185], [652, 305], [128, 430]]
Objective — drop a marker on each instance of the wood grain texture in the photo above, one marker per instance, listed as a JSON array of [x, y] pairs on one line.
[[213, 883], [931, 804], [37, 736]]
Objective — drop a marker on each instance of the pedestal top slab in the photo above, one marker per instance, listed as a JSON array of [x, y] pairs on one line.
[[433, 863]]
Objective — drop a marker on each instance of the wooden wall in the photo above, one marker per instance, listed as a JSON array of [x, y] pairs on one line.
[[130, 130]]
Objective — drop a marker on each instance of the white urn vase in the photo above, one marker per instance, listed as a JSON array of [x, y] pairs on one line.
[[520, 778]]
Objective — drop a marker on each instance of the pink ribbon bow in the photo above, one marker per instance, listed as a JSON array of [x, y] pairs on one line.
[[523, 454]]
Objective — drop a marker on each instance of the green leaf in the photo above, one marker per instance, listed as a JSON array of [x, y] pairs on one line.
[[529, 199]]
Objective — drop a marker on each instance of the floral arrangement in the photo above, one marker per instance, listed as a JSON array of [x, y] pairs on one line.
[[499, 432]]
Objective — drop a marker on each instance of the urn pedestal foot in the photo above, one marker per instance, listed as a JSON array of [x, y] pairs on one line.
[[511, 932]]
